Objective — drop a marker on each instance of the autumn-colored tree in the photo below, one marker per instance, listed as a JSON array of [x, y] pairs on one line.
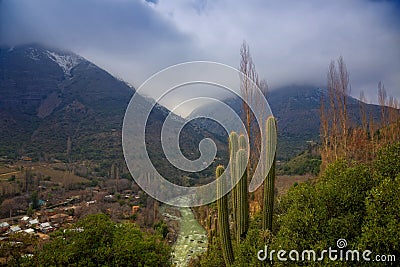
[[339, 138], [250, 84], [334, 116]]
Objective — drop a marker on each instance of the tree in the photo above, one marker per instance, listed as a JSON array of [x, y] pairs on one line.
[[161, 228], [357, 202], [334, 117], [97, 241], [381, 229], [34, 200], [250, 84]]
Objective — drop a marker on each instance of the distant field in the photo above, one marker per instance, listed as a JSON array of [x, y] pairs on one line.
[[6, 173], [284, 182], [3, 169], [56, 176], [62, 177]]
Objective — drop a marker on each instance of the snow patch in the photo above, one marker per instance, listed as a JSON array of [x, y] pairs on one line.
[[66, 62]]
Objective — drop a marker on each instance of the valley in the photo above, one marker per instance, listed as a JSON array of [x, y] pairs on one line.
[[61, 162]]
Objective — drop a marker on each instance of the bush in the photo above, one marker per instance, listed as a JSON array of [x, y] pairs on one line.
[[102, 243], [357, 202]]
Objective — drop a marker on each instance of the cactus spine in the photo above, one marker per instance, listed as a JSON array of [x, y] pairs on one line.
[[242, 196], [223, 219], [269, 183], [233, 148]]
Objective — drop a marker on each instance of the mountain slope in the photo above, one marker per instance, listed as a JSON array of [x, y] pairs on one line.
[[297, 111], [55, 104], [49, 95]]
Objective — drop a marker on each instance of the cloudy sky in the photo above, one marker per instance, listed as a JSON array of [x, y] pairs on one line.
[[292, 42]]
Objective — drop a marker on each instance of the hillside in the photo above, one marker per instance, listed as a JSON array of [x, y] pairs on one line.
[[297, 111], [57, 105], [49, 95]]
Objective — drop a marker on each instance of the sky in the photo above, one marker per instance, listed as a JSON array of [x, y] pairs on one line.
[[291, 42]]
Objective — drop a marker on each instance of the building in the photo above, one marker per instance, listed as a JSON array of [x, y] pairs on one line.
[[45, 227]]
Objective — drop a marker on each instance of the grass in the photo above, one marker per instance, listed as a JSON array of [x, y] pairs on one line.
[[284, 182], [57, 176], [60, 177]]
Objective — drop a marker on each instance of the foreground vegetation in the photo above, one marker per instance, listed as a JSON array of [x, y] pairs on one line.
[[357, 202], [96, 241]]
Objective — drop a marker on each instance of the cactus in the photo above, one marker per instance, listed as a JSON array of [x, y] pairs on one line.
[[269, 183], [216, 224], [209, 222], [242, 196], [211, 232], [242, 142], [223, 219], [233, 148]]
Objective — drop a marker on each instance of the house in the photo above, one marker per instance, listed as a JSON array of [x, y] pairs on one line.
[[29, 231], [15, 229], [33, 222], [25, 219], [4, 227], [45, 227], [88, 203]]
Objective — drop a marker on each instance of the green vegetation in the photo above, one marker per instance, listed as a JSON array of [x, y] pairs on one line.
[[242, 213], [97, 241], [34, 200], [351, 200], [269, 183], [161, 228], [305, 163], [223, 218], [240, 196], [233, 148]]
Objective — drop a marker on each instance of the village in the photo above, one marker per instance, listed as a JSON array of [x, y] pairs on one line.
[[62, 215]]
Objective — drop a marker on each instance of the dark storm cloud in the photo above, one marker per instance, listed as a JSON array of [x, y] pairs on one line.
[[109, 24], [291, 41], [123, 36]]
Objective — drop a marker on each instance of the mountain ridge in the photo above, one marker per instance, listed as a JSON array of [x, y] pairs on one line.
[[296, 108], [57, 105]]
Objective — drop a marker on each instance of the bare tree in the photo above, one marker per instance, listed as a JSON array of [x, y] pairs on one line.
[[250, 83], [343, 92], [333, 109], [364, 125], [382, 96], [324, 131]]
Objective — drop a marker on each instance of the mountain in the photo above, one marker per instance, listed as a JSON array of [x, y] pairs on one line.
[[297, 109], [56, 104], [48, 96]]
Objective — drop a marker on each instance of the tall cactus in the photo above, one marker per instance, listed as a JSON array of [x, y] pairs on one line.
[[269, 183], [242, 196], [233, 148], [223, 219], [242, 142], [211, 232]]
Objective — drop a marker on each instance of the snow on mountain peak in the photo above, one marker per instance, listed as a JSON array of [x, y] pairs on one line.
[[66, 62]]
